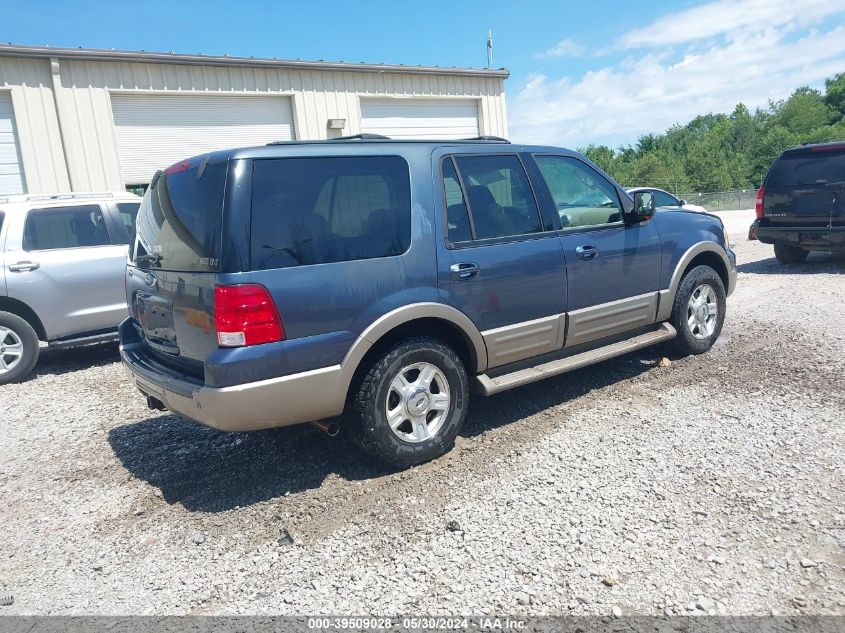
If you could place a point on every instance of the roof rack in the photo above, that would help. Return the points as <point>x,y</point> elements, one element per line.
<point>354,137</point>
<point>362,137</point>
<point>57,196</point>
<point>497,139</point>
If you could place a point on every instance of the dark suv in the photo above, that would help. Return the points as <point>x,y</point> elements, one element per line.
<point>801,205</point>
<point>384,280</point>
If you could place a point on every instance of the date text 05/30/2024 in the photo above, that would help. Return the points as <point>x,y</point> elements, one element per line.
<point>418,623</point>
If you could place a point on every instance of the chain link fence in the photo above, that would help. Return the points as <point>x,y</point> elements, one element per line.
<point>722,200</point>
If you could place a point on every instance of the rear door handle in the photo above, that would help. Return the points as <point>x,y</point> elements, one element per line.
<point>586,252</point>
<point>465,270</point>
<point>22,267</point>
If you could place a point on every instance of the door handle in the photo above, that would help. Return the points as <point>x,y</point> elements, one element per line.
<point>465,270</point>
<point>586,252</point>
<point>22,267</point>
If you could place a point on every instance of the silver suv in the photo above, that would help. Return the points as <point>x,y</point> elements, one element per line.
<point>62,263</point>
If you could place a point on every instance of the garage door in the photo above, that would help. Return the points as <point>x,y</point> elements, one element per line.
<point>155,131</point>
<point>420,118</point>
<point>11,179</point>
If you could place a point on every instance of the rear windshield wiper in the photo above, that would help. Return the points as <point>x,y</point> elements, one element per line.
<point>153,259</point>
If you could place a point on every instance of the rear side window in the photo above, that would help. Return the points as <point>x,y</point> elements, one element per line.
<point>663,199</point>
<point>500,199</point>
<point>180,219</point>
<point>811,167</point>
<point>457,218</point>
<point>65,227</point>
<point>128,212</point>
<point>323,210</point>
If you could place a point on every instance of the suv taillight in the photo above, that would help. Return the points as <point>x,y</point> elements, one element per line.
<point>758,206</point>
<point>246,315</point>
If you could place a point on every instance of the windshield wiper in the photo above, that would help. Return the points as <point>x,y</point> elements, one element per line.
<point>153,259</point>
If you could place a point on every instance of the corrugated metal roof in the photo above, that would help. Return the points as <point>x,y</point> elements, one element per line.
<point>90,54</point>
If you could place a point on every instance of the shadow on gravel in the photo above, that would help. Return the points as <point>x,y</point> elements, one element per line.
<point>816,263</point>
<point>58,362</point>
<point>210,471</point>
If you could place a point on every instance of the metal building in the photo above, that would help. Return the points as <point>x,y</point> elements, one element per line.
<point>88,120</point>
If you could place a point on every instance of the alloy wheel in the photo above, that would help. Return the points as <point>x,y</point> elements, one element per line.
<point>417,402</point>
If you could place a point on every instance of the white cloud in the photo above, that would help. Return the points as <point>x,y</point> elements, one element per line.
<point>648,91</point>
<point>564,48</point>
<point>728,16</point>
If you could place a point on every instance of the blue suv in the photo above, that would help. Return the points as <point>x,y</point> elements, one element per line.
<point>378,282</point>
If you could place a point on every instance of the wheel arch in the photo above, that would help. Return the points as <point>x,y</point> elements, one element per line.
<point>19,308</point>
<point>440,321</point>
<point>701,254</point>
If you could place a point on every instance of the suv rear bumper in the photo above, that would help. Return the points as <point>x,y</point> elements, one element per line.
<point>293,399</point>
<point>808,237</point>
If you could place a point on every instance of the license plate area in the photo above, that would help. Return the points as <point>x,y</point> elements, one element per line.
<point>814,204</point>
<point>155,314</point>
<point>814,238</point>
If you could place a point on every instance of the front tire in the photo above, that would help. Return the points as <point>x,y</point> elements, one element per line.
<point>18,348</point>
<point>412,402</point>
<point>698,313</point>
<point>788,254</point>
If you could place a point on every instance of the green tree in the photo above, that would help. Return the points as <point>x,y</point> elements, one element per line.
<point>601,155</point>
<point>717,152</point>
<point>834,88</point>
<point>804,111</point>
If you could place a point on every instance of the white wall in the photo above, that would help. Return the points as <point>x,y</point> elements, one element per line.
<point>39,141</point>
<point>82,101</point>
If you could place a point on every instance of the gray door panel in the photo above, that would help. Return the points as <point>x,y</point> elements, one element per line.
<point>516,298</point>
<point>589,324</point>
<point>499,267</point>
<point>615,289</point>
<point>612,270</point>
<point>3,230</point>
<point>74,290</point>
<point>511,343</point>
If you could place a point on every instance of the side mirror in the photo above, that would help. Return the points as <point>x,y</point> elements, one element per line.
<point>644,206</point>
<point>683,202</point>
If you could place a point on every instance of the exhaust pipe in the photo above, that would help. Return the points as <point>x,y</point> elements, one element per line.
<point>330,428</point>
<point>155,404</point>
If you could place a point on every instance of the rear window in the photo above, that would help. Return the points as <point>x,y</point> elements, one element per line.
<point>65,227</point>
<point>323,210</point>
<point>180,219</point>
<point>128,212</point>
<point>811,167</point>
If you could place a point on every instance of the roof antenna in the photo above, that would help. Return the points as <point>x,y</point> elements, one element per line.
<point>490,48</point>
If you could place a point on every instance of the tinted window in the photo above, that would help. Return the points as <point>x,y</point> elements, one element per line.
<point>323,210</point>
<point>128,212</point>
<point>180,218</point>
<point>663,199</point>
<point>809,167</point>
<point>501,202</point>
<point>65,227</point>
<point>457,219</point>
<point>582,196</point>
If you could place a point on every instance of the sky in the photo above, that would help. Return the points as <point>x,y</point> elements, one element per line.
<point>595,72</point>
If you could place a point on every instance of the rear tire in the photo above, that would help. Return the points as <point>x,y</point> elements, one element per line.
<point>18,348</point>
<point>699,310</point>
<point>411,403</point>
<point>787,254</point>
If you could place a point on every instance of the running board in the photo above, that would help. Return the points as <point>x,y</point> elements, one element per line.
<point>93,339</point>
<point>487,386</point>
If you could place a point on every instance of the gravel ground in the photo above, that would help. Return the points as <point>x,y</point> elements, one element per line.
<point>715,484</point>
